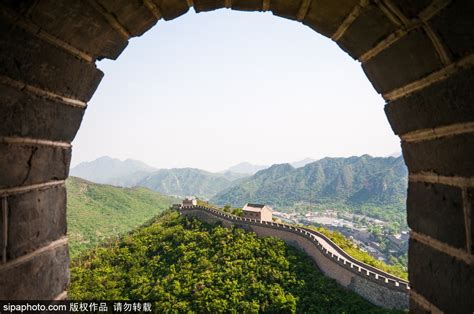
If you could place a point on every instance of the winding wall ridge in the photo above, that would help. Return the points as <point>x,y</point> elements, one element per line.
<point>383,289</point>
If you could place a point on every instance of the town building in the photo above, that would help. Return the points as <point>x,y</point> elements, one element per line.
<point>258,211</point>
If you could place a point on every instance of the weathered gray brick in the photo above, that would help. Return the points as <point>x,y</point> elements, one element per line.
<point>410,58</point>
<point>448,156</point>
<point>58,71</point>
<point>325,16</point>
<point>443,103</point>
<point>171,9</point>
<point>369,28</point>
<point>436,210</point>
<point>35,218</point>
<point>443,280</point>
<point>79,24</point>
<point>27,115</point>
<point>41,278</point>
<point>24,164</point>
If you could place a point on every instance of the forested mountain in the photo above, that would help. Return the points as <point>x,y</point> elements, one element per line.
<point>96,212</point>
<point>353,181</point>
<point>106,169</point>
<point>186,266</point>
<point>188,181</point>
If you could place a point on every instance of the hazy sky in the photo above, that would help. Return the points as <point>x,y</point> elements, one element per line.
<point>214,89</point>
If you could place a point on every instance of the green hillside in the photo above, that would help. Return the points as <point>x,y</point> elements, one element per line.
<point>190,267</point>
<point>96,212</point>
<point>366,183</point>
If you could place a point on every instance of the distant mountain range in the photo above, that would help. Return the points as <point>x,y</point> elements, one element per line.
<point>179,181</point>
<point>353,180</point>
<point>188,182</point>
<point>108,170</point>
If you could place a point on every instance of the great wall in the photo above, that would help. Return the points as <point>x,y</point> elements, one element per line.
<point>376,286</point>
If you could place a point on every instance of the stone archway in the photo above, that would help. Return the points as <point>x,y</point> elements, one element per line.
<point>417,54</point>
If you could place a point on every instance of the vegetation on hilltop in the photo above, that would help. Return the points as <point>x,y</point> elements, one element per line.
<point>96,212</point>
<point>188,266</point>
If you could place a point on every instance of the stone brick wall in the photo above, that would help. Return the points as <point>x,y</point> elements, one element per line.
<point>371,283</point>
<point>417,54</point>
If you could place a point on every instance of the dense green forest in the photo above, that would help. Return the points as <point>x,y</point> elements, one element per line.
<point>188,266</point>
<point>96,212</point>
